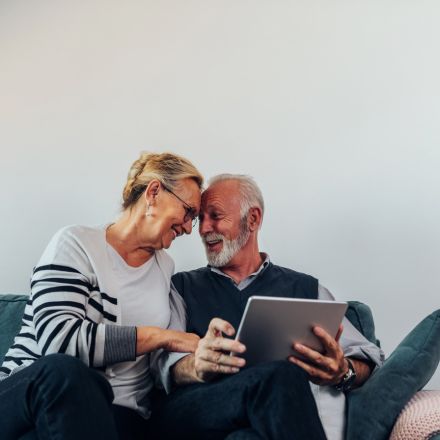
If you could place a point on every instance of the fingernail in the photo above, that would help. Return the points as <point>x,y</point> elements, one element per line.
<point>235,370</point>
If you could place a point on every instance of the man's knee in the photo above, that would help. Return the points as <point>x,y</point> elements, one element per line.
<point>281,371</point>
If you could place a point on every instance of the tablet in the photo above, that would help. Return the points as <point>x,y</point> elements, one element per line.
<point>270,325</point>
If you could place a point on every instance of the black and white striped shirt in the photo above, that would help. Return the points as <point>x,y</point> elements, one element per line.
<point>73,308</point>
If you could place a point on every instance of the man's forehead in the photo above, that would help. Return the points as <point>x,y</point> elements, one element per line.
<point>220,193</point>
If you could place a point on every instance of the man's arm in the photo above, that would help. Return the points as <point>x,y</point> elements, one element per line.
<point>353,343</point>
<point>183,372</point>
<point>363,371</point>
<point>329,368</point>
<point>162,361</point>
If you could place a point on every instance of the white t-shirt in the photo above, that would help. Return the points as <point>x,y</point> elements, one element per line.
<point>131,381</point>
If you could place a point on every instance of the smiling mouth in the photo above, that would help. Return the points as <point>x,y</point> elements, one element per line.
<point>213,244</point>
<point>176,232</point>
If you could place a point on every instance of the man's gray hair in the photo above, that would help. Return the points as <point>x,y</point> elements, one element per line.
<point>250,194</point>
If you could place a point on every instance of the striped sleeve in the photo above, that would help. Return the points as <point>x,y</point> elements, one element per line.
<point>60,295</point>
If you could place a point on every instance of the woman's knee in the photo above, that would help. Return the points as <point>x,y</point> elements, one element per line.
<point>68,372</point>
<point>62,366</point>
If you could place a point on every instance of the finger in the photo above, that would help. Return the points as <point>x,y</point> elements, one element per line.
<point>219,325</point>
<point>211,367</point>
<point>331,346</point>
<point>311,370</point>
<point>218,357</point>
<point>338,335</point>
<point>225,344</point>
<point>313,356</point>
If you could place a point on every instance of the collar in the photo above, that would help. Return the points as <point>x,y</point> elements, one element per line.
<point>263,266</point>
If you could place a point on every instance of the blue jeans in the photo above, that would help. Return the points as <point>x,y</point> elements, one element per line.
<point>57,397</point>
<point>268,401</point>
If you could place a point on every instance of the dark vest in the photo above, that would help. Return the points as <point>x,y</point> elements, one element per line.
<point>209,295</point>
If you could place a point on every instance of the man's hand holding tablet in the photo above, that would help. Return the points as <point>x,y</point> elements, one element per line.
<point>262,336</point>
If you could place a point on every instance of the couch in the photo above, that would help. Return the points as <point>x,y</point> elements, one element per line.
<point>388,406</point>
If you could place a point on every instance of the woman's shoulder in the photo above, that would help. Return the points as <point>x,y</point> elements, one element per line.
<point>72,242</point>
<point>165,260</point>
<point>79,232</point>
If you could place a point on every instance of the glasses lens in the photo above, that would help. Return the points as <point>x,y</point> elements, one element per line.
<point>190,214</point>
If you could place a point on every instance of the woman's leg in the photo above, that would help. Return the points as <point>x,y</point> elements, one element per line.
<point>59,397</point>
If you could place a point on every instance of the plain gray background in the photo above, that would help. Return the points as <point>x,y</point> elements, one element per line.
<point>333,106</point>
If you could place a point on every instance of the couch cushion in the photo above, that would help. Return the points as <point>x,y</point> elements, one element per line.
<point>406,371</point>
<point>11,312</point>
<point>359,314</point>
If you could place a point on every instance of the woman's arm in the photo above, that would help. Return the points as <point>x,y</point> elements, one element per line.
<point>154,338</point>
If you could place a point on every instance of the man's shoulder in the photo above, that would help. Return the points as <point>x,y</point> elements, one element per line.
<point>299,284</point>
<point>286,271</point>
<point>192,273</point>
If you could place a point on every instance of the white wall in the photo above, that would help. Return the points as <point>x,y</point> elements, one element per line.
<point>333,106</point>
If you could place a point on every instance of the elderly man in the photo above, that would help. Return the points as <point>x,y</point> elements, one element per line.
<point>215,395</point>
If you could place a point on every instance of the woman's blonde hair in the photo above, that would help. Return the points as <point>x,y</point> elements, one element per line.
<point>168,168</point>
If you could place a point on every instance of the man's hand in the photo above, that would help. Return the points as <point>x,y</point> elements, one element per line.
<point>327,368</point>
<point>212,355</point>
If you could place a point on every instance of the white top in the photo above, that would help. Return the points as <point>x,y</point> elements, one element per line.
<point>131,381</point>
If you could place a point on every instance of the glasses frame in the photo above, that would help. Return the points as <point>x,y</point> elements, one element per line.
<point>190,211</point>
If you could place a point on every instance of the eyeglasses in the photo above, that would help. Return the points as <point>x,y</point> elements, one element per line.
<point>190,212</point>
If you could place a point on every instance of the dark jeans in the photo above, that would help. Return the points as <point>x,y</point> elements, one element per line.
<point>59,397</point>
<point>268,401</point>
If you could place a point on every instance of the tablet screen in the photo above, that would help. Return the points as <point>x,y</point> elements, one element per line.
<point>270,325</point>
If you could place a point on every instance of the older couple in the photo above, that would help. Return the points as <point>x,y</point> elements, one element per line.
<point>103,312</point>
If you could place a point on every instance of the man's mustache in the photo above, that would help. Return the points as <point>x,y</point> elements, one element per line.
<point>212,236</point>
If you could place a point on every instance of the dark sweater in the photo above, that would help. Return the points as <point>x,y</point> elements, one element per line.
<point>210,295</point>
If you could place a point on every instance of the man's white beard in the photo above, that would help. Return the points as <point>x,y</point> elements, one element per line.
<point>229,248</point>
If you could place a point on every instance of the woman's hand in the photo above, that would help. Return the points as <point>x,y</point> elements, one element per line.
<point>175,340</point>
<point>154,338</point>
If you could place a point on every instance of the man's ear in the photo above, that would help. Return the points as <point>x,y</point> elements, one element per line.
<point>254,218</point>
<point>152,191</point>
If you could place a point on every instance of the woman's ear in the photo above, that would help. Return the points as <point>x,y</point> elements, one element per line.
<point>152,191</point>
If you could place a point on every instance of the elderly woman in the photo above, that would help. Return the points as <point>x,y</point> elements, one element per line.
<point>100,304</point>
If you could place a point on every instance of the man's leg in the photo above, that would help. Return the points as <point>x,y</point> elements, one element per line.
<point>274,400</point>
<point>59,397</point>
<point>243,434</point>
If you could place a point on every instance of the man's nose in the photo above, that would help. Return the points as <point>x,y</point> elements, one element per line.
<point>205,226</point>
